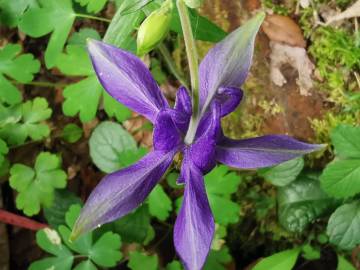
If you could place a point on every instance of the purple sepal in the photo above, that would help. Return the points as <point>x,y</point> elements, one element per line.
<point>228,98</point>
<point>183,101</point>
<point>127,79</point>
<point>122,191</point>
<point>194,226</point>
<point>262,151</point>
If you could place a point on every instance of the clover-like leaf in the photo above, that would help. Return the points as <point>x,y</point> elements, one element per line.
<point>112,147</point>
<point>174,265</point>
<point>93,6</point>
<point>11,11</point>
<point>83,97</point>
<point>80,38</point>
<point>284,260</point>
<point>18,67</point>
<point>36,185</point>
<point>72,133</point>
<point>344,226</point>
<point>33,113</point>
<point>160,204</point>
<point>301,202</point>
<point>284,173</point>
<point>217,259</point>
<point>140,261</point>
<point>52,16</point>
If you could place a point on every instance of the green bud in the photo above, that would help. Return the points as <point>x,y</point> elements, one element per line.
<point>154,28</point>
<point>193,3</point>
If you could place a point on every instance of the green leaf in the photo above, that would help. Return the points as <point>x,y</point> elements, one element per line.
<point>160,204</point>
<point>341,178</point>
<point>80,38</point>
<point>343,264</point>
<point>140,261</point>
<point>52,16</point>
<point>301,203</point>
<point>63,199</point>
<point>284,173</point>
<point>174,265</point>
<point>3,151</point>
<point>50,241</point>
<point>72,133</point>
<point>346,140</point>
<point>84,96</point>
<point>11,11</point>
<point>284,260</point>
<point>133,6</point>
<point>344,226</point>
<point>93,6</point>
<point>220,184</point>
<point>134,226</point>
<point>217,259</point>
<point>20,68</point>
<point>36,186</point>
<point>171,179</point>
<point>108,143</point>
<point>85,265</point>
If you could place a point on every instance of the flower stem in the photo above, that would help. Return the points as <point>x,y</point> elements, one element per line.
<point>168,60</point>
<point>86,16</point>
<point>20,221</point>
<point>191,53</point>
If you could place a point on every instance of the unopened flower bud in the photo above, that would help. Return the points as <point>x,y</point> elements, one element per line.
<point>154,28</point>
<point>193,3</point>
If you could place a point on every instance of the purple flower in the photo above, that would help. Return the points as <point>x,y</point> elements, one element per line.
<point>222,71</point>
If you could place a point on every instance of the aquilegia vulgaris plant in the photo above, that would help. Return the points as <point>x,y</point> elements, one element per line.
<point>193,131</point>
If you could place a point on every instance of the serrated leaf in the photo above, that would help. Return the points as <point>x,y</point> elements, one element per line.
<point>36,186</point>
<point>344,226</point>
<point>220,183</point>
<point>80,38</point>
<point>83,97</point>
<point>284,173</point>
<point>93,6</point>
<point>301,202</point>
<point>134,226</point>
<point>160,204</point>
<point>346,140</point>
<point>218,259</point>
<point>108,143</point>
<point>140,261</point>
<point>52,16</point>
<point>20,68</point>
<point>72,133</point>
<point>284,260</point>
<point>341,178</point>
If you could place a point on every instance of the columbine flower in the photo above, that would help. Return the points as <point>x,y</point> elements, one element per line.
<point>222,71</point>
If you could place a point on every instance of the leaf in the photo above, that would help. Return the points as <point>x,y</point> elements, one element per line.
<point>108,142</point>
<point>133,6</point>
<point>84,96</point>
<point>284,260</point>
<point>217,259</point>
<point>284,173</point>
<point>36,186</point>
<point>72,133</point>
<point>346,140</point>
<point>341,178</point>
<point>301,203</point>
<point>344,226</point>
<point>63,199</point>
<point>160,204</point>
<point>140,261</point>
<point>52,16</point>
<point>93,6</point>
<point>134,226</point>
<point>105,252</point>
<point>220,184</point>
<point>11,11</point>
<point>343,264</point>
<point>63,257</point>
<point>20,68</point>
<point>3,151</point>
<point>174,265</point>
<point>79,38</point>
<point>85,265</point>
<point>171,180</point>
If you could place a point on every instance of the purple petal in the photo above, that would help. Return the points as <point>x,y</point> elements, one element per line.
<point>229,98</point>
<point>228,63</point>
<point>122,191</point>
<point>183,101</point>
<point>262,151</point>
<point>127,79</point>
<point>194,227</point>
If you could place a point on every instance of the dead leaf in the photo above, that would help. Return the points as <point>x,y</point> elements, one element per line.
<point>351,12</point>
<point>296,57</point>
<point>135,126</point>
<point>283,29</point>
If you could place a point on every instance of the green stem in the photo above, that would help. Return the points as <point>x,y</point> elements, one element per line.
<point>168,60</point>
<point>42,84</point>
<point>86,16</point>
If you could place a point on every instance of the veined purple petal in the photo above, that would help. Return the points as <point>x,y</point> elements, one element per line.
<point>194,227</point>
<point>228,63</point>
<point>229,98</point>
<point>183,101</point>
<point>127,79</point>
<point>122,191</point>
<point>262,151</point>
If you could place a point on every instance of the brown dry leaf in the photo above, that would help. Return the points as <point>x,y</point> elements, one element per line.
<point>135,126</point>
<point>351,12</point>
<point>296,57</point>
<point>283,29</point>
